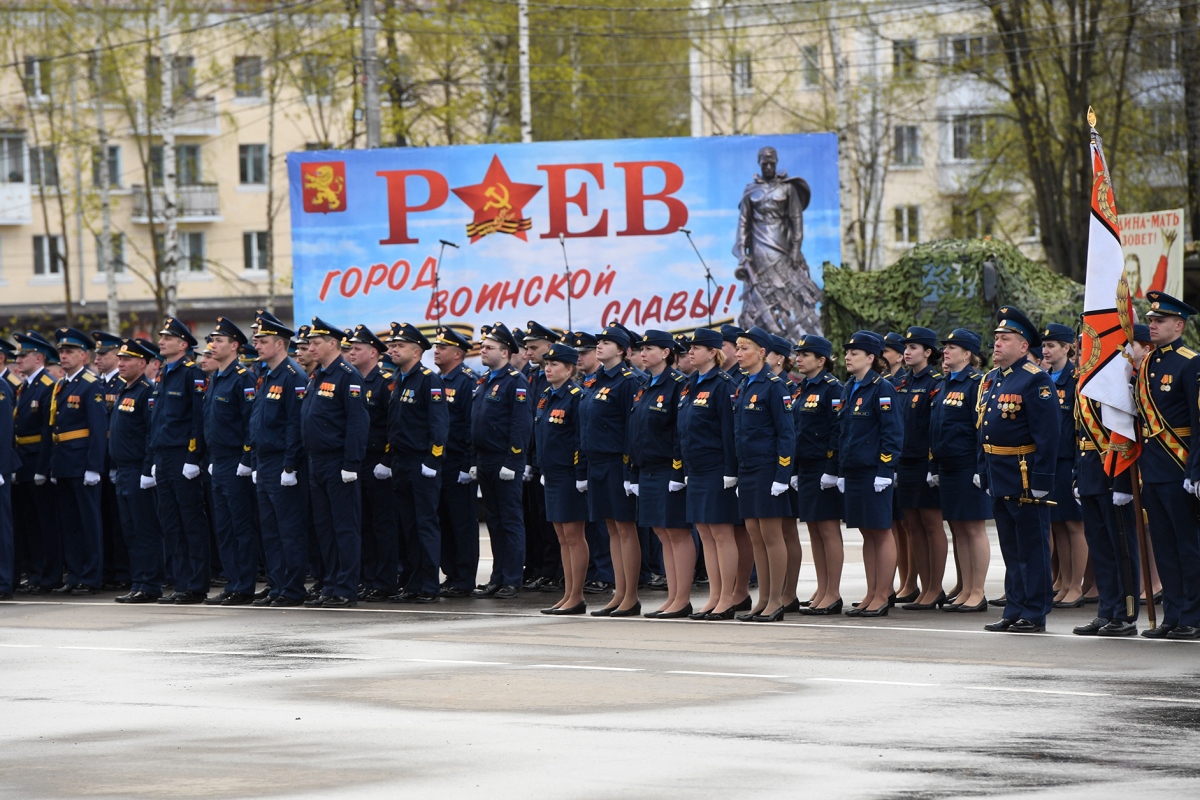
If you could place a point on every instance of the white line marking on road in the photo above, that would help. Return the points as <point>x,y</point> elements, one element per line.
<point>878,683</point>
<point>1168,699</point>
<point>1036,691</point>
<point>452,661</point>
<point>576,666</point>
<point>723,674</point>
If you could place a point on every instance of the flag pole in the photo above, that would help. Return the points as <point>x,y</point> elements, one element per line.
<point>1143,544</point>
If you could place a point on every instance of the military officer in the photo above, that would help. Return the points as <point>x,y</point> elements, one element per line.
<point>116,559</point>
<point>335,422</point>
<point>501,421</point>
<point>177,444</point>
<point>379,513</point>
<point>8,465</point>
<point>1167,405</point>
<point>281,487</point>
<point>600,572</point>
<point>35,527</point>
<point>154,364</point>
<point>79,432</point>
<point>7,353</point>
<point>543,563</point>
<point>456,508</point>
<point>1019,431</point>
<point>129,449</point>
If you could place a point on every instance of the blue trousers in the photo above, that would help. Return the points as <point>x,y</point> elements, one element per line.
<point>140,530</point>
<point>380,531</point>
<point>460,532</point>
<point>116,557</point>
<point>417,501</point>
<point>184,521</point>
<point>337,518</point>
<point>233,520</point>
<point>82,531</point>
<point>1103,525</point>
<point>36,523</point>
<point>8,578</point>
<point>1024,533</point>
<point>283,517</point>
<point>505,521</point>
<point>1173,529</point>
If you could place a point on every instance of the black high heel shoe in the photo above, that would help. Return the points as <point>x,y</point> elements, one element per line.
<point>652,614</point>
<point>716,616</point>
<point>686,611</point>
<point>982,605</point>
<point>882,611</point>
<point>794,606</point>
<point>580,608</point>
<point>853,612</point>
<point>774,616</point>
<point>745,605</point>
<point>604,612</point>
<point>833,608</point>
<point>699,615</point>
<point>629,612</point>
<point>804,603</point>
<point>908,598</point>
<point>748,616</point>
<point>892,599</point>
<point>938,603</point>
<point>1078,603</point>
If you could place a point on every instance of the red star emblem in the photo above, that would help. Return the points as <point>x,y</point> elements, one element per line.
<point>497,203</point>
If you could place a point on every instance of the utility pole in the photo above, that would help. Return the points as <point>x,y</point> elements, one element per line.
<point>167,132</point>
<point>105,255</point>
<point>78,190</point>
<point>696,71</point>
<point>370,51</point>
<point>523,70</point>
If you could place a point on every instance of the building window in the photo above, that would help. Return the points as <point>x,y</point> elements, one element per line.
<point>1166,131</point>
<point>247,76</point>
<point>185,77</point>
<point>907,149</point>
<point>908,224</point>
<point>969,135</point>
<point>971,222</point>
<point>316,75</point>
<point>112,164</point>
<point>43,166</point>
<point>252,163</point>
<point>972,52</point>
<point>116,253</point>
<point>1158,48</point>
<point>47,255</point>
<point>37,77</point>
<point>12,159</point>
<point>191,251</point>
<point>187,164</point>
<point>810,56</point>
<point>254,250</point>
<point>743,76</point>
<point>904,58</point>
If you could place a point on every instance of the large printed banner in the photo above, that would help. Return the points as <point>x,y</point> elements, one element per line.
<point>369,227</point>
<point>1152,243</point>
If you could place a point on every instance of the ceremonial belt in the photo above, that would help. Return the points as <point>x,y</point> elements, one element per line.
<point>69,436</point>
<point>1000,450</point>
<point>1096,434</point>
<point>34,439</point>
<point>1153,424</point>
<point>1086,444</point>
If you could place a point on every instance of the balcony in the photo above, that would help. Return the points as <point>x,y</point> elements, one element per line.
<point>197,116</point>
<point>16,204</point>
<point>197,203</point>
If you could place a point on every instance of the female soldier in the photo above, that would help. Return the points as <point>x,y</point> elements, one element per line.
<point>893,356</point>
<point>779,359</point>
<point>919,500</point>
<point>816,409</point>
<point>954,444</point>
<point>563,465</point>
<point>1066,518</point>
<point>605,418</point>
<point>656,469</point>
<point>707,445</point>
<point>764,440</point>
<point>870,440</point>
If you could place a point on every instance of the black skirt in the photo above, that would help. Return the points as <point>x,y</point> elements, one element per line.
<point>658,507</point>
<point>864,507</point>
<point>815,503</point>
<point>755,500</point>
<point>912,486</point>
<point>606,496</point>
<point>961,500</point>
<point>709,502</point>
<point>564,503</point>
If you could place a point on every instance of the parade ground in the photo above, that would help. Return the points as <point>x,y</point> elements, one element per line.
<point>474,698</point>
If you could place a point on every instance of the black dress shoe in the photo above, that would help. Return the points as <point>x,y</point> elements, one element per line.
<point>908,598</point>
<point>853,611</point>
<point>264,594</point>
<point>652,614</point>
<point>486,590</point>
<point>636,611</point>
<point>1077,603</point>
<point>189,598</point>
<point>238,599</point>
<point>804,603</point>
<point>1159,632</point>
<point>699,615</point>
<point>794,607</point>
<point>745,605</point>
<point>550,585</point>
<point>604,612</point>
<point>748,616</point>
<point>25,588</point>
<point>402,597</point>
<point>1184,632</point>
<point>580,608</point>
<point>1119,627</point>
<point>686,611</point>
<point>533,584</point>
<point>115,586</point>
<point>138,597</point>
<point>82,590</point>
<point>938,603</point>
<point>1026,626</point>
<point>339,602</point>
<point>167,600</point>
<point>507,593</point>
<point>454,591</point>
<point>718,616</point>
<point>998,603</point>
<point>982,605</point>
<point>425,598</point>
<point>374,596</point>
<point>1092,628</point>
<point>64,589</point>
<point>774,616</point>
<point>286,602</point>
<point>216,599</point>
<point>316,602</point>
<point>597,587</point>
<point>263,602</point>
<point>882,611</point>
<point>1000,625</point>
<point>1091,601</point>
<point>823,611</point>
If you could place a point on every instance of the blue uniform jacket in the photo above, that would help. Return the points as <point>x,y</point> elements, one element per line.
<point>556,428</point>
<point>418,420</point>
<point>1064,388</point>
<point>79,426</point>
<point>705,422</point>
<point>1020,409</point>
<point>917,392</point>
<point>275,419</point>
<point>129,427</point>
<point>501,419</point>
<point>460,384</point>
<point>1089,475</point>
<point>872,428</point>
<point>816,404</point>
<point>227,406</point>
<point>605,413</point>
<point>377,386</point>
<point>8,454</point>
<point>537,387</point>
<point>31,427</point>
<point>1166,397</point>
<point>953,435</point>
<point>763,433</point>
<point>177,406</point>
<point>653,428</point>
<point>333,416</point>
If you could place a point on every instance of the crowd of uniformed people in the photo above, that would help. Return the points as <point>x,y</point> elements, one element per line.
<point>334,466</point>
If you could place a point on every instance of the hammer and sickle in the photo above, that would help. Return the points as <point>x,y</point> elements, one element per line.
<point>498,197</point>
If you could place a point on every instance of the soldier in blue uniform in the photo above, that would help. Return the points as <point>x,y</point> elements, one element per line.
<point>1166,399</point>
<point>729,337</point>
<point>1019,431</point>
<point>116,559</point>
<point>334,423</point>
<point>500,424</point>
<point>129,449</point>
<point>418,425</point>
<point>8,352</point>
<point>282,490</point>
<point>8,465</point>
<point>600,578</point>
<point>543,570</point>
<point>177,442</point>
<point>35,526</point>
<point>79,432</point>
<point>779,359</point>
<point>228,404</point>
<point>456,507</point>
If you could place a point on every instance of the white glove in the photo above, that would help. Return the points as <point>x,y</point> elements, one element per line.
<point>1196,489</point>
<point>841,484</point>
<point>543,480</point>
<point>473,472</point>
<point>147,482</point>
<point>628,491</point>
<point>1039,493</point>
<point>882,483</point>
<point>728,482</point>
<point>1,480</point>
<point>675,486</point>
<point>112,476</point>
<point>349,477</point>
<point>1188,486</point>
<point>778,488</point>
<point>975,480</point>
<point>91,478</point>
<point>39,479</point>
<point>528,476</point>
<point>988,492</point>
<point>829,481</point>
<point>1075,491</point>
<point>154,471</point>
<point>54,481</point>
<point>288,479</point>
<point>254,476</point>
<point>466,477</point>
<point>933,480</point>
<point>507,474</point>
<point>1121,499</point>
<point>210,466</point>
<point>685,480</point>
<point>634,490</point>
<point>381,472</point>
<point>428,472</point>
<point>244,471</point>
<point>795,481</point>
<point>191,471</point>
<point>581,486</point>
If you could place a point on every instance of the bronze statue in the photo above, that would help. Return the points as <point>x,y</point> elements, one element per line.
<point>778,294</point>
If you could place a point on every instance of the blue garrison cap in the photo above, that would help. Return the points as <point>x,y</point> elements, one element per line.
<point>133,348</point>
<point>580,340</point>
<point>657,339</point>
<point>1163,305</point>
<point>561,352</point>
<point>868,342</point>
<point>105,341</point>
<point>73,337</point>
<point>815,344</point>
<point>363,335</point>
<point>615,334</point>
<point>406,332</point>
<point>1141,333</point>
<point>966,339</point>
<point>730,333</point>
<point>499,333</point>
<point>1012,320</point>
<point>892,340</point>
<point>448,336</point>
<point>759,336</point>
<point>1056,332</point>
<point>926,337</point>
<point>536,330</point>
<point>225,327</point>
<point>780,346</point>
<point>173,327</point>
<point>707,337</point>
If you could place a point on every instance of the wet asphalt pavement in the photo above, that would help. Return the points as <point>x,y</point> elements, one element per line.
<point>468,698</point>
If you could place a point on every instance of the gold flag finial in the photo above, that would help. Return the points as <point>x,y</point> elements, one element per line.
<point>1091,117</point>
